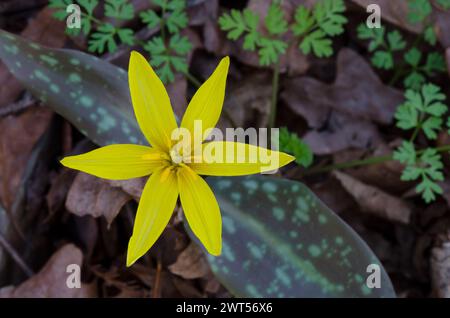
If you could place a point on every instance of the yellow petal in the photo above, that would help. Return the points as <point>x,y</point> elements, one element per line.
<point>150,102</point>
<point>206,105</point>
<point>225,158</point>
<point>117,162</point>
<point>155,209</point>
<point>201,209</point>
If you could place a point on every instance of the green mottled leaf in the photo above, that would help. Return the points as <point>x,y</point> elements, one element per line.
<point>280,240</point>
<point>92,94</point>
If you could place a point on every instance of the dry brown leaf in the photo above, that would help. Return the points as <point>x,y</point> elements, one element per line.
<point>385,175</point>
<point>19,135</point>
<point>440,270</point>
<point>93,196</point>
<point>133,187</point>
<point>191,263</point>
<point>395,12</point>
<point>59,188</point>
<point>177,92</point>
<point>374,200</point>
<point>357,91</point>
<point>185,288</point>
<point>342,132</point>
<point>50,282</point>
<point>331,192</point>
<point>249,101</point>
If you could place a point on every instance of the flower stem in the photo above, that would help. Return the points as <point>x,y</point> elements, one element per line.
<point>162,24</point>
<point>274,100</point>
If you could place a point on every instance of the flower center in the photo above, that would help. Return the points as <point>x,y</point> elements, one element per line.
<point>176,156</point>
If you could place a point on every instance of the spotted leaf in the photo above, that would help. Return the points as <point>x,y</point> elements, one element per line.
<point>280,240</point>
<point>92,94</point>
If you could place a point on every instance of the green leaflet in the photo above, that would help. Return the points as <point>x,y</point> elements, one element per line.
<point>92,94</point>
<point>280,240</point>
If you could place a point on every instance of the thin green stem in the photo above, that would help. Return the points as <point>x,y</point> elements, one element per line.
<point>364,162</point>
<point>415,133</point>
<point>348,164</point>
<point>192,79</point>
<point>441,149</point>
<point>274,100</point>
<point>163,22</point>
<point>91,18</point>
<point>398,73</point>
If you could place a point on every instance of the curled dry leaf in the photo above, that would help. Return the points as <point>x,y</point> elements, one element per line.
<point>374,200</point>
<point>93,196</point>
<point>51,281</point>
<point>133,187</point>
<point>59,188</point>
<point>191,263</point>
<point>384,175</point>
<point>440,270</point>
<point>357,91</point>
<point>395,12</point>
<point>18,137</point>
<point>249,100</point>
<point>342,132</point>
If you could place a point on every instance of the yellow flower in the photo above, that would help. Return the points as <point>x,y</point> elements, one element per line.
<point>173,171</point>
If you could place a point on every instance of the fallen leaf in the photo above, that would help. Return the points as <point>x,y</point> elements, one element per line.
<point>440,270</point>
<point>249,101</point>
<point>19,135</point>
<point>201,11</point>
<point>133,187</point>
<point>357,91</point>
<point>332,193</point>
<point>342,132</point>
<point>374,200</point>
<point>177,92</point>
<point>191,263</point>
<point>59,188</point>
<point>185,288</point>
<point>442,26</point>
<point>50,282</point>
<point>126,288</point>
<point>93,196</point>
<point>395,12</point>
<point>385,175</point>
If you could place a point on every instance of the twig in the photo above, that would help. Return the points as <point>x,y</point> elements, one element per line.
<point>24,103</point>
<point>157,285</point>
<point>15,256</point>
